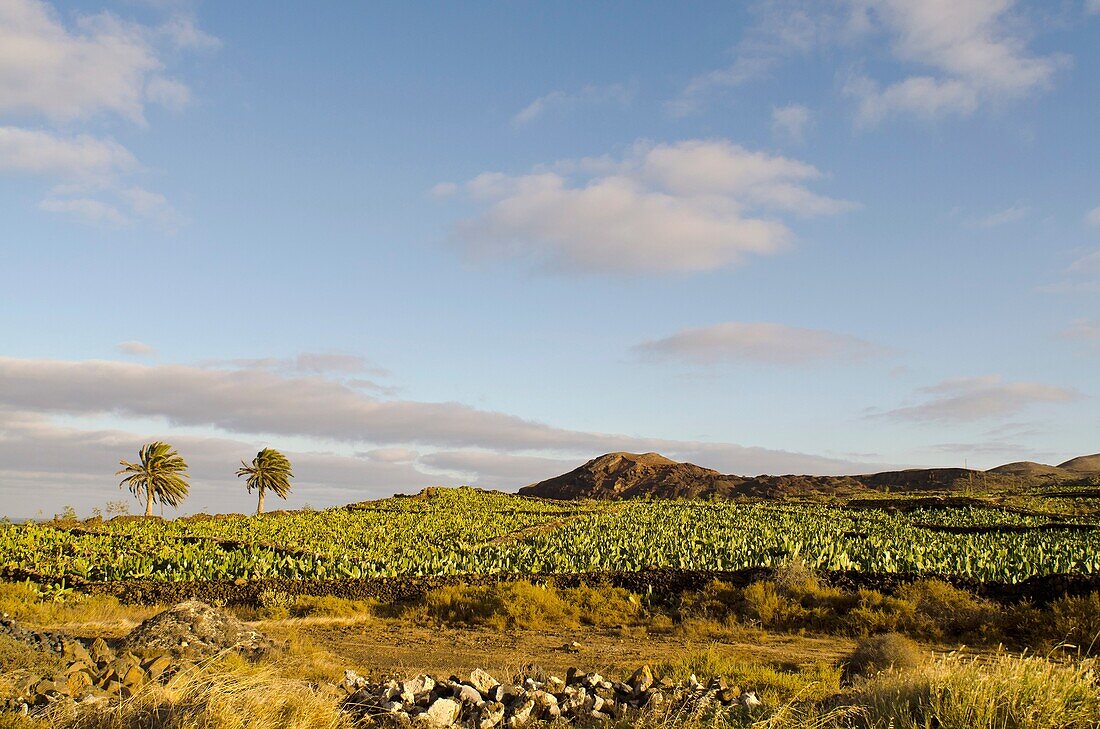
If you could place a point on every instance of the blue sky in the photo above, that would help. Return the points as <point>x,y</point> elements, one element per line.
<point>481,243</point>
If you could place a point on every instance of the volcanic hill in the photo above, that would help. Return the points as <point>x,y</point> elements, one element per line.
<point>651,475</point>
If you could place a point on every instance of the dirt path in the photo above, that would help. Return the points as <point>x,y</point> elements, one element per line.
<point>383,647</point>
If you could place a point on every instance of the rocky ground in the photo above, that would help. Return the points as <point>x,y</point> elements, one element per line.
<point>97,673</point>
<point>534,696</point>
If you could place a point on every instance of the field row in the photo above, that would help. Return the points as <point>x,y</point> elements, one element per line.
<point>465,531</point>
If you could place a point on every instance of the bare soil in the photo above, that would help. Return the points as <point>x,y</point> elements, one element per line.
<point>384,647</point>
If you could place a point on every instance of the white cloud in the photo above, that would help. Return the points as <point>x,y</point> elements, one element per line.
<point>40,457</point>
<point>135,348</point>
<point>1086,265</point>
<point>266,405</point>
<point>690,206</point>
<point>498,470</point>
<point>184,35</point>
<point>921,96</point>
<point>444,189</point>
<point>1081,276</point>
<point>783,28</point>
<point>168,93</point>
<point>79,158</point>
<point>1012,214</point>
<point>790,122</point>
<point>102,65</point>
<point>742,71</point>
<point>1092,6</point>
<point>977,398</point>
<point>757,343</point>
<point>1083,330</point>
<point>99,65</point>
<point>975,45</point>
<point>391,455</point>
<point>309,363</point>
<point>617,94</point>
<point>88,210</point>
<point>1092,217</point>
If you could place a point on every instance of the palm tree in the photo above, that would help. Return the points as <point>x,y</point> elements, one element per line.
<point>270,469</point>
<point>161,476</point>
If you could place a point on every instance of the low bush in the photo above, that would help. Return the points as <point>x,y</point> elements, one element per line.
<point>941,610</point>
<point>882,652</point>
<point>1076,620</point>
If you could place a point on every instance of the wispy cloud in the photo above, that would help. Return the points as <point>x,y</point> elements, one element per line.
<point>135,348</point>
<point>790,122</point>
<point>268,404</point>
<point>616,94</point>
<point>1081,276</point>
<point>978,398</point>
<point>1086,331</point>
<point>975,48</point>
<point>67,75</point>
<point>1092,217</point>
<point>689,206</point>
<point>782,29</point>
<point>1012,214</point>
<point>761,343</point>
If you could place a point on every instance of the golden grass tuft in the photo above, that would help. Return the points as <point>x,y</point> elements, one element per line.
<point>1004,692</point>
<point>228,693</point>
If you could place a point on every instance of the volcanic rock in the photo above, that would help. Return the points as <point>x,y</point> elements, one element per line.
<point>195,629</point>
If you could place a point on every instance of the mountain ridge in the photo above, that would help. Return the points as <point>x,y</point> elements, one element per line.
<point>624,475</point>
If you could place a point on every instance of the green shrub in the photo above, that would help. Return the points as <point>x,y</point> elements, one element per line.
<point>941,610</point>
<point>716,601</point>
<point>1076,620</point>
<point>874,613</point>
<point>605,605</point>
<point>274,604</point>
<point>764,604</point>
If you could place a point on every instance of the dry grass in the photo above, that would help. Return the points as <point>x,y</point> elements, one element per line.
<point>812,682</point>
<point>227,693</point>
<point>522,605</point>
<point>881,652</point>
<point>23,601</point>
<point>1006,692</point>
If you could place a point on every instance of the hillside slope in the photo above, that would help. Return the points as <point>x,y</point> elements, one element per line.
<point>651,475</point>
<point>1082,464</point>
<point>634,475</point>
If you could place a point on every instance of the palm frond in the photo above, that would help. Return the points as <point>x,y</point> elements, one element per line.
<point>270,471</point>
<point>160,472</point>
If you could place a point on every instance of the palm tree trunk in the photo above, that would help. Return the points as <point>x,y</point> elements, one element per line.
<point>260,502</point>
<point>148,501</point>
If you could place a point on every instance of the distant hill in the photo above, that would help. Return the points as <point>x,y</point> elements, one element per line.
<point>633,475</point>
<point>650,475</point>
<point>1083,464</point>
<point>1031,469</point>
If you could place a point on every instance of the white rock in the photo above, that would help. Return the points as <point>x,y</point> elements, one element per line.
<point>442,712</point>
<point>467,694</point>
<point>482,681</point>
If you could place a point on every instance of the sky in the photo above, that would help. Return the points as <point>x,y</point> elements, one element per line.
<point>414,244</point>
